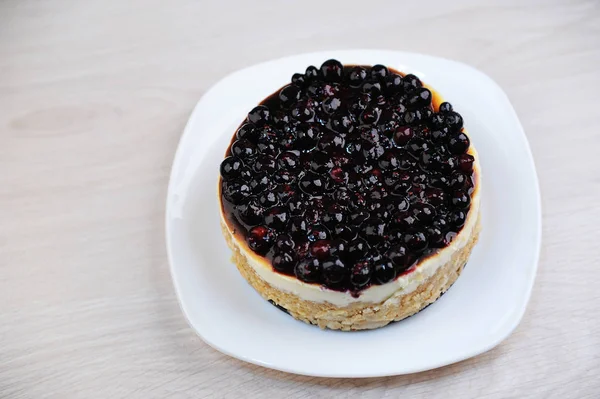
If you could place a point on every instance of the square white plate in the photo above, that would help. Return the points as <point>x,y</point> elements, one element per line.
<point>482,308</point>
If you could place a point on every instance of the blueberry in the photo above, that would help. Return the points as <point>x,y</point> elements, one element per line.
<point>298,226</point>
<point>236,191</point>
<point>358,216</point>
<point>383,270</point>
<point>393,84</point>
<point>435,196</point>
<point>436,237</point>
<point>332,71</point>
<point>419,98</point>
<point>423,212</point>
<point>284,241</point>
<point>445,107</point>
<point>289,95</point>
<point>356,76</point>
<point>415,241</point>
<point>454,121</point>
<point>250,213</point>
<point>404,221</point>
<point>308,270</point>
<point>345,232</point>
<point>267,147</point>
<point>331,104</point>
<point>357,249</point>
<point>370,115</point>
<point>320,249</point>
<point>410,83</point>
<point>459,144</point>
<point>442,223</point>
<point>302,112</point>
<point>312,183</point>
<point>372,152</point>
<point>284,261</point>
<point>457,219</point>
<point>465,163</point>
<point>268,199</point>
<point>460,181</point>
<point>259,115</point>
<point>460,199</point>
<point>390,160</point>
<point>439,136</point>
<point>330,141</point>
<point>264,163</point>
<point>402,135</point>
<point>341,122</point>
<point>276,218</point>
<point>360,275</point>
<point>231,168</point>
<point>317,232</point>
<point>373,88</point>
<point>373,230</point>
<point>400,257</point>
<point>307,136</point>
<point>288,161</point>
<point>260,239</point>
<point>259,183</point>
<point>243,149</point>
<point>359,103</point>
<point>334,270</point>
<point>334,215</point>
<point>312,73</point>
<point>247,131</point>
<point>379,72</point>
<point>285,177</point>
<point>299,79</point>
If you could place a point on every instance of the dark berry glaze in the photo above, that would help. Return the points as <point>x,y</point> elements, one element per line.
<point>349,176</point>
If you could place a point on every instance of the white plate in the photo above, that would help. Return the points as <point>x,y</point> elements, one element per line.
<point>482,308</point>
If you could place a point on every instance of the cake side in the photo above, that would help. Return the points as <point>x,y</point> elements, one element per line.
<point>358,315</point>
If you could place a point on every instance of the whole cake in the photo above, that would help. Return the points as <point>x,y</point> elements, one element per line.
<point>350,197</point>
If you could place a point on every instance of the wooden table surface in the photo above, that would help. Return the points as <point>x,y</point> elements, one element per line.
<point>93,99</point>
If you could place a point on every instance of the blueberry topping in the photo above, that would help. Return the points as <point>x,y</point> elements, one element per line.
<point>348,176</point>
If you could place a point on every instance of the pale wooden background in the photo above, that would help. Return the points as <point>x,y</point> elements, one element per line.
<point>93,99</point>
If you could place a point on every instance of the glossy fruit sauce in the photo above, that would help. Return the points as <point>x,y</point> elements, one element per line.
<point>348,176</point>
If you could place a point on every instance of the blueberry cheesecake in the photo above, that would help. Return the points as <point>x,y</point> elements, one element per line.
<point>350,197</point>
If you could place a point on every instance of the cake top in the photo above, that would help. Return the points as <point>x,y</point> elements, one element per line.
<point>348,176</point>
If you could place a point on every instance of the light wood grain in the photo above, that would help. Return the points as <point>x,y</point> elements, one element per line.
<point>93,99</point>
